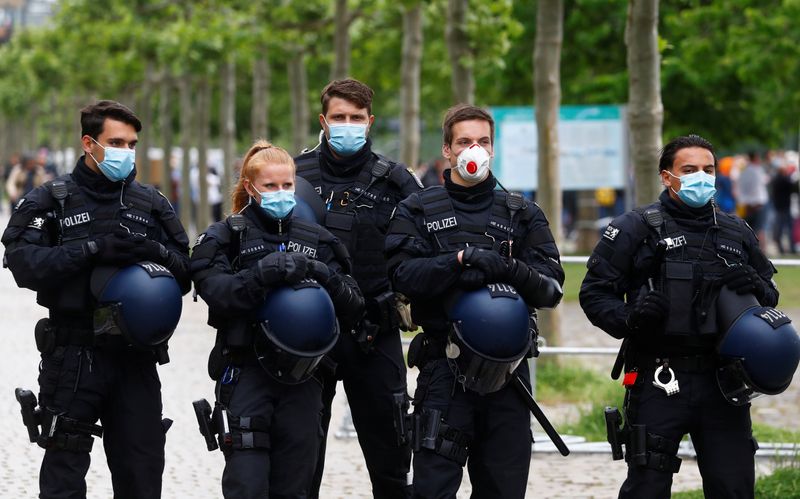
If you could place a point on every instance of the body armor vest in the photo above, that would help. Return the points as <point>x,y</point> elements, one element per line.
<point>693,262</point>
<point>80,217</point>
<point>358,214</point>
<point>453,232</point>
<point>250,243</point>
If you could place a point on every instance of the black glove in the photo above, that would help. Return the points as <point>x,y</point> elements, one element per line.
<point>113,249</point>
<point>651,308</point>
<point>318,271</point>
<point>280,266</point>
<point>471,279</point>
<point>744,279</point>
<point>494,266</point>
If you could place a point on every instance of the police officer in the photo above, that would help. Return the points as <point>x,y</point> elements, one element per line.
<point>361,189</point>
<point>463,236</point>
<point>98,215</point>
<point>654,279</point>
<point>270,420</point>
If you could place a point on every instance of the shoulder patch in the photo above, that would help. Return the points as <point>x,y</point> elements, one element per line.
<point>19,203</point>
<point>37,223</point>
<point>611,232</point>
<point>415,177</point>
<point>200,238</point>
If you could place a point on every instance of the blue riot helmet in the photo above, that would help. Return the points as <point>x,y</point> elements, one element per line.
<point>491,335</point>
<point>296,327</point>
<point>141,301</point>
<point>309,205</point>
<point>759,349</point>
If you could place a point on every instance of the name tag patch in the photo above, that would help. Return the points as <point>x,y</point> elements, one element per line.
<point>77,219</point>
<point>442,224</point>
<point>301,248</point>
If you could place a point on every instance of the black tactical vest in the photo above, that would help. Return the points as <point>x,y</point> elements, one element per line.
<point>358,214</point>
<point>453,232</point>
<point>250,243</point>
<point>693,262</point>
<point>80,217</point>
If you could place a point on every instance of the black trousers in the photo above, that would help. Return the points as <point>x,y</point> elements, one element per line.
<point>498,425</point>
<point>369,381</point>
<point>292,412</point>
<point>721,434</point>
<point>123,391</point>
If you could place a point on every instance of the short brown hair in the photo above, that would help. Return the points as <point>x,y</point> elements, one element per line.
<point>94,116</point>
<point>464,112</point>
<point>350,90</point>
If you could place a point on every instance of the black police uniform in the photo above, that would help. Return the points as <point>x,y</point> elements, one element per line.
<point>490,432</point>
<point>361,192</point>
<point>56,236</point>
<point>683,253</point>
<point>274,427</point>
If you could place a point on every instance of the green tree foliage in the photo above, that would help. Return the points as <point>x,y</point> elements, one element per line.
<point>730,68</point>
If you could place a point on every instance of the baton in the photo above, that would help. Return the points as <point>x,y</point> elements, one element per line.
<point>527,397</point>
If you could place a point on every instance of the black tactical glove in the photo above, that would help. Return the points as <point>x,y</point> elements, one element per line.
<point>494,266</point>
<point>280,266</point>
<point>113,249</point>
<point>471,279</point>
<point>144,249</point>
<point>318,271</point>
<point>744,279</point>
<point>650,309</point>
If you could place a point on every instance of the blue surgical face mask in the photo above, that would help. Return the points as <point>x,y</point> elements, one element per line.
<point>347,138</point>
<point>117,162</point>
<point>277,204</point>
<point>697,188</point>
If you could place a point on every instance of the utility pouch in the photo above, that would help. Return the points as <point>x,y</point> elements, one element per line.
<point>45,335</point>
<point>429,424</point>
<point>418,351</point>
<point>237,333</point>
<point>402,419</point>
<point>680,289</point>
<point>637,445</point>
<point>383,310</point>
<point>216,359</point>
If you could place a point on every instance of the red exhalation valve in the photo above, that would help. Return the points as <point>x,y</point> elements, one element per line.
<point>472,167</point>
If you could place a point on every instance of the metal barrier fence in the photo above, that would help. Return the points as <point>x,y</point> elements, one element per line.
<point>579,444</point>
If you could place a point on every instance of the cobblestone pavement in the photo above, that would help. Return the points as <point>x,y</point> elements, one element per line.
<point>193,472</point>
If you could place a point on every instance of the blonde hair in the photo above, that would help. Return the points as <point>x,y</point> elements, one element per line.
<point>261,153</point>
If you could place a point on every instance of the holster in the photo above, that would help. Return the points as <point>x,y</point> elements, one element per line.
<point>402,419</point>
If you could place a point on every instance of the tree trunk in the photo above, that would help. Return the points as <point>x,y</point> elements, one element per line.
<point>228,128</point>
<point>547,90</point>
<point>187,133</point>
<point>645,111</point>
<point>145,114</point>
<point>262,74</point>
<point>298,88</point>
<point>203,132</point>
<point>462,80</point>
<point>341,41</point>
<point>165,126</point>
<point>410,85</point>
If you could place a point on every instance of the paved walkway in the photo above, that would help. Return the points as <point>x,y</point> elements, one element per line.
<point>193,472</point>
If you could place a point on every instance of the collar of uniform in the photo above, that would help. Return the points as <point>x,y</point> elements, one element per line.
<point>473,198</point>
<point>680,210</point>
<point>349,166</point>
<point>96,183</point>
<point>269,224</point>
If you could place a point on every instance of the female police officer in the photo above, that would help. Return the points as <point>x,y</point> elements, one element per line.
<point>258,260</point>
<point>670,260</point>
